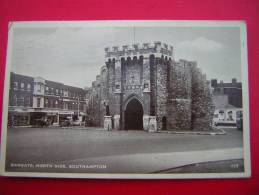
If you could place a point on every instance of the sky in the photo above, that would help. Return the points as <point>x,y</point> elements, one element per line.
<point>74,55</point>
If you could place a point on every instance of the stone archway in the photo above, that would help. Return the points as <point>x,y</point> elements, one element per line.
<point>164,121</point>
<point>134,115</point>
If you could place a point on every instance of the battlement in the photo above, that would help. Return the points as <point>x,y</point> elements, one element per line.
<point>139,49</point>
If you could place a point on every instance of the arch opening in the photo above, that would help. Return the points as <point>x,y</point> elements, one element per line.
<point>164,123</point>
<point>134,115</point>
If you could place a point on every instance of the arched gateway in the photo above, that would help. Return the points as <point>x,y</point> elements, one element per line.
<point>134,115</point>
<point>144,89</point>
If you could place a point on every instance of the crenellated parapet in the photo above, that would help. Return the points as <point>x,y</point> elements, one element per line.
<point>144,49</point>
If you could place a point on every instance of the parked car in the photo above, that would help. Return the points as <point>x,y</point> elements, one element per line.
<point>239,120</point>
<point>77,123</point>
<point>65,123</point>
<point>41,123</point>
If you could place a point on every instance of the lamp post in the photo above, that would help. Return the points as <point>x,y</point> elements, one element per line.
<point>78,107</point>
<point>86,109</point>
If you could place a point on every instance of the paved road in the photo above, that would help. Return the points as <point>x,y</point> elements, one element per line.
<point>64,145</point>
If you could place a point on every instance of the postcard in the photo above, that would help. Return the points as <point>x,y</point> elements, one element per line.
<point>126,99</point>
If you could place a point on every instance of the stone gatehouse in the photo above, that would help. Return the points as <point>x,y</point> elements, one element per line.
<point>141,82</point>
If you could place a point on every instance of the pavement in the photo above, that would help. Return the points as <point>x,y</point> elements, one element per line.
<point>154,162</point>
<point>116,151</point>
<point>213,131</point>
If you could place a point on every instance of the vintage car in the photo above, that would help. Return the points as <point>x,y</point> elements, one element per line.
<point>77,123</point>
<point>41,123</point>
<point>65,123</point>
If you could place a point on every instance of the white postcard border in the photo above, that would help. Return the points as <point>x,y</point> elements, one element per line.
<point>127,23</point>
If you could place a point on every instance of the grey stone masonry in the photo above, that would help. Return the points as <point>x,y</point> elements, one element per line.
<point>139,49</point>
<point>175,94</point>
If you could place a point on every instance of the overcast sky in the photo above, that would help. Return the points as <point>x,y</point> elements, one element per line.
<point>75,55</point>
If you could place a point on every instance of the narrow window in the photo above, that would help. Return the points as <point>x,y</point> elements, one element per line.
<point>28,86</point>
<point>47,102</point>
<point>38,102</point>
<point>15,85</point>
<point>56,104</point>
<point>22,86</point>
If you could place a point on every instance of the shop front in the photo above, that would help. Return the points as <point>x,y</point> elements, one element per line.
<point>18,119</point>
<point>66,115</point>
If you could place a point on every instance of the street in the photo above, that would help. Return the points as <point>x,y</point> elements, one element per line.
<point>115,149</point>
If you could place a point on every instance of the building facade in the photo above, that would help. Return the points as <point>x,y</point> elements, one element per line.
<point>31,99</point>
<point>227,98</point>
<point>232,91</point>
<point>143,81</point>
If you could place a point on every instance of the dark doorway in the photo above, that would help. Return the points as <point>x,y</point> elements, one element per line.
<point>164,123</point>
<point>134,115</point>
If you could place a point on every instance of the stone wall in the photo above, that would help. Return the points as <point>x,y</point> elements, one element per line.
<point>202,104</point>
<point>153,78</point>
<point>179,103</point>
<point>179,114</point>
<point>111,84</point>
<point>94,106</point>
<point>162,86</point>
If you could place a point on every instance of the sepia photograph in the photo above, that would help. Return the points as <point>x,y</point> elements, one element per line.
<point>126,99</point>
